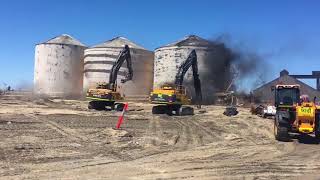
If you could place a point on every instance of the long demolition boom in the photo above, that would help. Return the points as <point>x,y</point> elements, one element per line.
<point>123,56</point>
<point>190,61</point>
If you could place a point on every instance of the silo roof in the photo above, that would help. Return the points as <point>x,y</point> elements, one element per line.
<point>191,40</point>
<point>119,42</point>
<point>64,39</point>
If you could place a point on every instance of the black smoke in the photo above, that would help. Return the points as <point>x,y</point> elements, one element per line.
<point>229,67</point>
<point>248,68</point>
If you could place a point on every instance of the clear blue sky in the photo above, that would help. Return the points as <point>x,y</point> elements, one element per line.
<point>286,33</point>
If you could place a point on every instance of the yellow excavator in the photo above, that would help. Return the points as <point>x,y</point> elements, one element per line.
<point>106,94</point>
<point>295,113</point>
<point>172,98</point>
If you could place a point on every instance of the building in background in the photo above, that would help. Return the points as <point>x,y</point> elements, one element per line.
<point>264,93</point>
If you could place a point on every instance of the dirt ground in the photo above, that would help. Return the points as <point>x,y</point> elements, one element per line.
<point>60,139</point>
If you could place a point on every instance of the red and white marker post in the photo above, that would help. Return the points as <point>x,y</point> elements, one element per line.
<point>120,120</point>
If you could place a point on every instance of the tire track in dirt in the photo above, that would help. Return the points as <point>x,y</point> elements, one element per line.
<point>159,131</point>
<point>95,148</point>
<point>153,134</point>
<point>207,131</point>
<point>193,133</point>
<point>272,165</point>
<point>151,129</point>
<point>303,159</point>
<point>188,135</point>
<point>67,132</point>
<point>232,162</point>
<point>184,134</point>
<point>241,164</point>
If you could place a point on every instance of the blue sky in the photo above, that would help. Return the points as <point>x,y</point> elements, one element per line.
<point>285,33</point>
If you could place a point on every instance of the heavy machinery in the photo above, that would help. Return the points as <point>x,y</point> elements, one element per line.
<point>294,114</point>
<point>170,98</point>
<point>106,94</point>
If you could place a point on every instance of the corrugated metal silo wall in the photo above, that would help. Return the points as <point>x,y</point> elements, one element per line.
<point>214,77</point>
<point>98,63</point>
<point>142,64</point>
<point>58,70</point>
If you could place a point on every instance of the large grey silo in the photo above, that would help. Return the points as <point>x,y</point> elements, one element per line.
<point>213,65</point>
<point>59,67</point>
<point>99,59</point>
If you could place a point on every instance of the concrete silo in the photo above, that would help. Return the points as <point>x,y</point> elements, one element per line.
<point>59,67</point>
<point>213,64</point>
<point>99,59</point>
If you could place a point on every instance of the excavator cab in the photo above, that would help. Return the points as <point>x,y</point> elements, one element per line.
<point>170,94</point>
<point>286,95</point>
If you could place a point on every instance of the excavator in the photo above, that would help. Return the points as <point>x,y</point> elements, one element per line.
<point>172,98</point>
<point>106,94</point>
<point>294,113</point>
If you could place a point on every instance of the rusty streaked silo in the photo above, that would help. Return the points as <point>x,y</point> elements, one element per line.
<point>213,65</point>
<point>59,67</point>
<point>98,61</point>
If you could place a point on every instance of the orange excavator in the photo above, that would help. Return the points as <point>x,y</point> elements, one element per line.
<point>295,113</point>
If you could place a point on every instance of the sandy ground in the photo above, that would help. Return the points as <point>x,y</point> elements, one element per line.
<point>59,139</point>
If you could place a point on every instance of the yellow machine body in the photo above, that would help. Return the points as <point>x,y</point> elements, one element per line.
<point>168,94</point>
<point>102,93</point>
<point>305,117</point>
<point>295,113</point>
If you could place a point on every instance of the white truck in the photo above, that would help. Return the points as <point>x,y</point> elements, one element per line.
<point>269,111</point>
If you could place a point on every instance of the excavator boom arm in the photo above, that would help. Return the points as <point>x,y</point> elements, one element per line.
<point>190,61</point>
<point>123,56</point>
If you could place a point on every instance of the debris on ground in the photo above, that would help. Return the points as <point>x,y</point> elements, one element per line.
<point>231,111</point>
